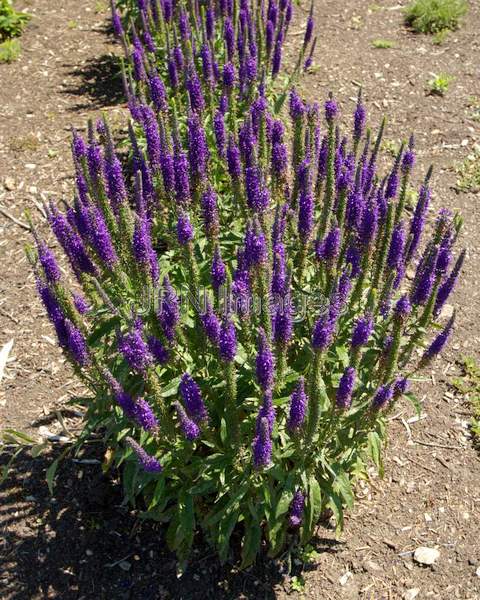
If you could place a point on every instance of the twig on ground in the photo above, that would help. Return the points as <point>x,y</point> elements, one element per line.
<point>5,213</point>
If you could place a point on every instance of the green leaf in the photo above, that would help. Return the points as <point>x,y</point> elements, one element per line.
<point>414,401</point>
<point>342,486</point>
<point>335,503</point>
<point>226,528</point>
<point>251,542</point>
<point>104,329</point>
<point>312,510</point>
<point>375,450</point>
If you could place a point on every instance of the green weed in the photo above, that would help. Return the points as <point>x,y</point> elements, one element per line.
<point>433,16</point>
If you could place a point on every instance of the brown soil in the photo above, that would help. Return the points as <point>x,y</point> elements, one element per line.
<point>82,543</point>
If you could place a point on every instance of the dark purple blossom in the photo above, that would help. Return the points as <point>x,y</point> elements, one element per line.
<point>255,247</point>
<point>265,363</point>
<point>189,428</point>
<point>228,341</point>
<point>262,445</point>
<point>448,285</point>
<point>211,325</point>
<point>134,348</point>
<point>298,407</point>
<point>195,93</point>
<point>403,308</point>
<point>331,110</point>
<point>48,262</point>
<point>362,331</point>
<point>218,271</point>
<point>142,246</point>
<point>169,311</point>
<point>184,229</point>
<point>182,181</point>
<point>147,463</point>
<point>438,343</point>
<point>382,397</point>
<point>343,397</point>
<point>219,130</point>
<point>192,399</point>
<point>297,508</point>
<point>397,247</point>
<point>158,93</point>
<point>76,344</point>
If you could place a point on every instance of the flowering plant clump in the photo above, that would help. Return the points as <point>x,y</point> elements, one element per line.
<point>243,354</point>
<point>241,311</point>
<point>209,57</point>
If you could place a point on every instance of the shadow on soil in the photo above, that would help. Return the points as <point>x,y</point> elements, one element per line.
<point>83,544</point>
<point>98,83</point>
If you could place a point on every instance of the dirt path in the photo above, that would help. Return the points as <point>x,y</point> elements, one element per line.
<point>430,495</point>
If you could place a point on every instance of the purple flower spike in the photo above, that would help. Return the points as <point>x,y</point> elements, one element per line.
<point>362,331</point>
<point>182,181</point>
<point>262,445</point>
<point>192,399</point>
<point>228,341</point>
<point>403,308</point>
<point>76,344</point>
<point>308,31</point>
<point>297,508</point>
<point>305,215</point>
<point>331,110</point>
<point>184,230</point>
<point>218,270</point>
<point>198,153</point>
<point>297,106</point>
<point>397,247</point>
<point>210,213</point>
<point>189,428</point>
<point>158,93</point>
<point>438,343</point>
<point>298,407</point>
<point>147,463</point>
<point>255,248</point>
<point>265,363</point>
<point>400,387</point>
<point>233,160</point>
<point>220,135</point>
<point>138,410</point>
<point>345,389</point>
<point>359,120</point>
<point>195,93</point>
<point>382,397</point>
<point>48,262</point>
<point>134,349</point>
<point>169,311</point>
<point>449,284</point>
<point>157,350</point>
<point>322,333</point>
<point>229,37</point>
<point>142,246</point>
<point>102,241</point>
<point>81,304</point>
<point>408,161</point>
<point>211,325</point>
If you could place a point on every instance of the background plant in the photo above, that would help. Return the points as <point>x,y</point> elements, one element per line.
<point>469,384</point>
<point>433,16</point>
<point>12,22</point>
<point>230,416</point>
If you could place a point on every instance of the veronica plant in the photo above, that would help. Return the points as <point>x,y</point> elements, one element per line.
<point>242,355</point>
<point>209,57</point>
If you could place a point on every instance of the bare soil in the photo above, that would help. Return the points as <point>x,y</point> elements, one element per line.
<point>82,543</point>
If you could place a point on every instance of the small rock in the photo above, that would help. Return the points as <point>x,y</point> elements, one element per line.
<point>477,572</point>
<point>88,552</point>
<point>447,311</point>
<point>30,166</point>
<point>125,565</point>
<point>345,577</point>
<point>426,556</point>
<point>9,184</point>
<point>411,594</point>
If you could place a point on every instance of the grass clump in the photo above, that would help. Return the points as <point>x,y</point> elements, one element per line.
<point>438,84</point>
<point>469,385</point>
<point>432,16</point>
<point>12,22</point>
<point>9,51</point>
<point>469,172</point>
<point>383,44</point>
